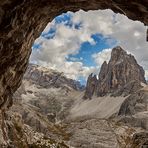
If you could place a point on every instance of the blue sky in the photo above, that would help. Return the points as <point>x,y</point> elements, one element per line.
<point>86,49</point>
<point>78,43</point>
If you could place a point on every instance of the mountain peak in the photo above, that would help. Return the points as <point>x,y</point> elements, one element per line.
<point>121,76</point>
<point>48,78</point>
<point>118,51</point>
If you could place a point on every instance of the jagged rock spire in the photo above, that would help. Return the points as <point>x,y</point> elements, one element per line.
<point>122,75</point>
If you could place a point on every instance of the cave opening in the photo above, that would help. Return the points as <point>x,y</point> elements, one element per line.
<point>21,22</point>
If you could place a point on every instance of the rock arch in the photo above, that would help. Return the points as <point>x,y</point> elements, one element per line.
<point>22,21</point>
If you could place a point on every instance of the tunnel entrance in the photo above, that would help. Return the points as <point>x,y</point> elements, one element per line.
<point>21,22</point>
<point>71,47</point>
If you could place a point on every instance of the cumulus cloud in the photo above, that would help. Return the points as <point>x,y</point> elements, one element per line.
<point>131,35</point>
<point>54,52</point>
<point>102,56</point>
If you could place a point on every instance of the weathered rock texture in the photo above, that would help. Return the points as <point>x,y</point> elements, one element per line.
<point>43,99</point>
<point>134,110</point>
<point>92,133</point>
<point>48,78</point>
<point>137,102</point>
<point>91,86</point>
<point>47,90</point>
<point>140,140</point>
<point>21,22</point>
<point>134,114</point>
<point>122,75</point>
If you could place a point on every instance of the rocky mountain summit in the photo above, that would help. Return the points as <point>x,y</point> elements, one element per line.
<point>121,76</point>
<point>50,78</point>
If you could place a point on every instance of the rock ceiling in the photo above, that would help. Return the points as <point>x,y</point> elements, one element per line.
<point>21,22</point>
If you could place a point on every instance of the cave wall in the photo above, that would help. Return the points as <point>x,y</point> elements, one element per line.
<point>22,21</point>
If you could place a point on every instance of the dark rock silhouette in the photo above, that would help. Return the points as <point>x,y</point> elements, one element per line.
<point>21,22</point>
<point>91,86</point>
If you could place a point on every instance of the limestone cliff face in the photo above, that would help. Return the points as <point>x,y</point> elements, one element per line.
<point>122,75</point>
<point>91,86</point>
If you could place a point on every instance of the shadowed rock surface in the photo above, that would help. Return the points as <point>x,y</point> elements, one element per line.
<point>135,103</point>
<point>21,22</point>
<point>121,76</point>
<point>140,140</point>
<point>91,86</point>
<point>134,110</point>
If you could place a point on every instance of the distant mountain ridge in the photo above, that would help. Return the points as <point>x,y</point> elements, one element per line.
<point>50,78</point>
<point>121,76</point>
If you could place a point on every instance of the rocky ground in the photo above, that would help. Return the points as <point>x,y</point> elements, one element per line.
<point>43,102</point>
<point>50,110</point>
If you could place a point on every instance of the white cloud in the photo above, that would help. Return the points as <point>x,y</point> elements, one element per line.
<point>72,70</point>
<point>54,52</point>
<point>102,56</point>
<point>131,35</point>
